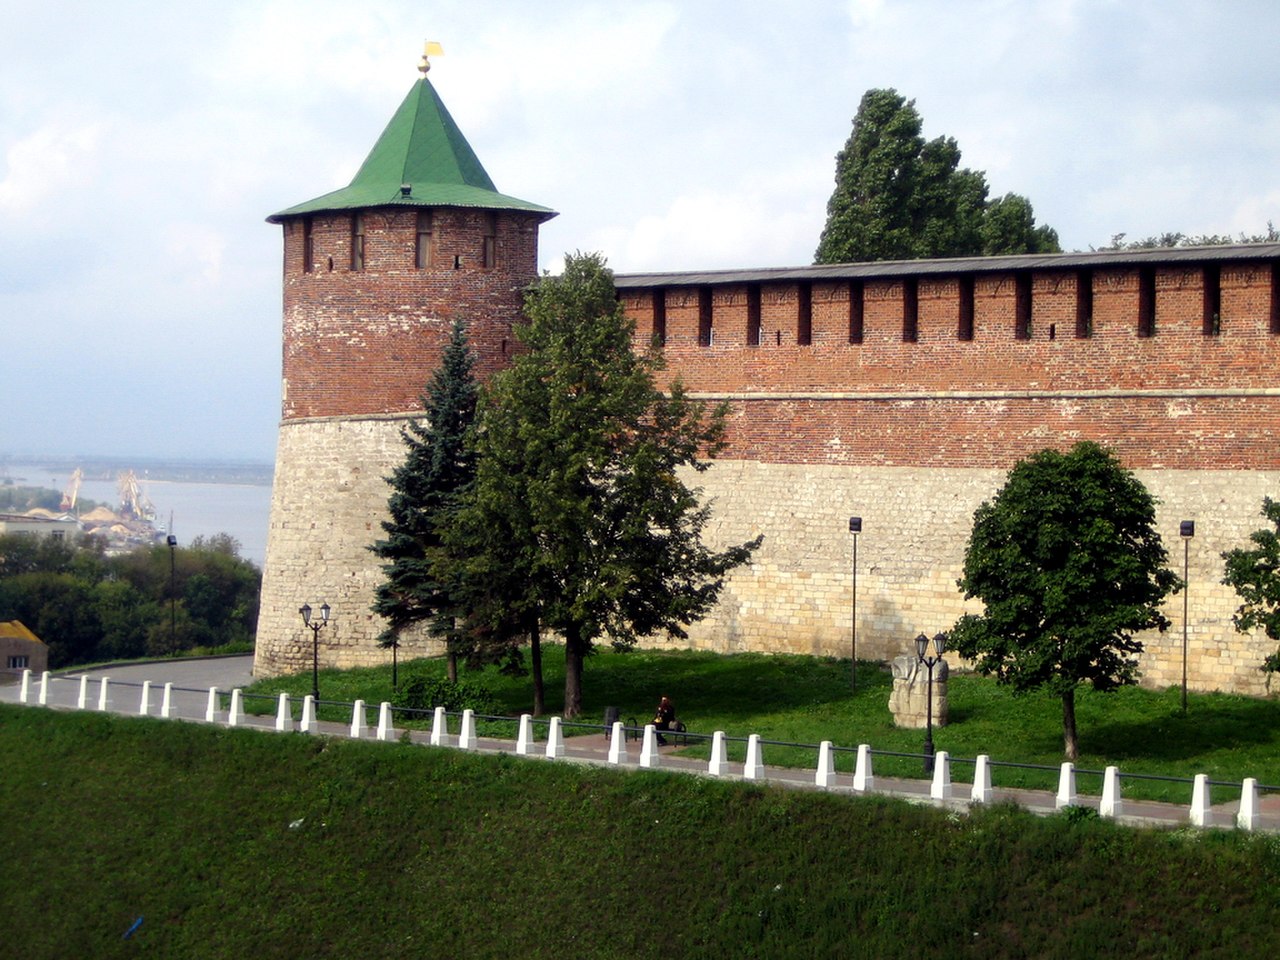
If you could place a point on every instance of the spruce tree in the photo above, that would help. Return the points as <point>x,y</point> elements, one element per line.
<point>437,469</point>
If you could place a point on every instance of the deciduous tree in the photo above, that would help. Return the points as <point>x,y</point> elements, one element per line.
<point>1068,563</point>
<point>1254,574</point>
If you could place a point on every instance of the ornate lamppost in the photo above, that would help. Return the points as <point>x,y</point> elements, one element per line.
<point>173,595</point>
<point>855,528</point>
<point>1186,530</point>
<point>316,627</point>
<point>922,650</point>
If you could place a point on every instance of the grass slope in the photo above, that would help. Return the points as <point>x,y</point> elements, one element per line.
<point>234,843</point>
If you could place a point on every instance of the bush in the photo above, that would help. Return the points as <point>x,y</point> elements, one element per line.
<point>427,693</point>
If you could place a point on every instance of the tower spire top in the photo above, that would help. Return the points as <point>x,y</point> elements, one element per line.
<point>430,49</point>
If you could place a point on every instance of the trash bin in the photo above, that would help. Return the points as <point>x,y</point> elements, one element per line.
<point>610,718</point>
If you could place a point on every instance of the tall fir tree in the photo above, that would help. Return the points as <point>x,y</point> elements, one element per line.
<point>438,467</point>
<point>579,521</point>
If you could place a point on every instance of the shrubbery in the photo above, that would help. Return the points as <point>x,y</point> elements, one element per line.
<point>427,693</point>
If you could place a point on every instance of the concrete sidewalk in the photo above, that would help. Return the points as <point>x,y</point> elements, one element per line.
<point>190,701</point>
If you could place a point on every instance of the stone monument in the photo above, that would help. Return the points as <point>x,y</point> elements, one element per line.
<point>910,694</point>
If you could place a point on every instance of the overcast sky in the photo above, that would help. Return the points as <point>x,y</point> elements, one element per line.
<point>143,142</point>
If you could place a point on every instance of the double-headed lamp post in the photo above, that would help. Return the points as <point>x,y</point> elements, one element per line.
<point>922,650</point>
<point>173,594</point>
<point>855,528</point>
<point>1186,530</point>
<point>316,627</point>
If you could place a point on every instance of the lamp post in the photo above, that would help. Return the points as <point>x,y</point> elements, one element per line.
<point>922,649</point>
<point>1186,530</point>
<point>855,528</point>
<point>173,595</point>
<point>316,627</point>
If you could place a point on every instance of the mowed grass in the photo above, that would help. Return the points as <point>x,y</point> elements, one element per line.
<point>237,843</point>
<point>806,700</point>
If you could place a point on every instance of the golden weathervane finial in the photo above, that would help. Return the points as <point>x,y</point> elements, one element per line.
<point>432,49</point>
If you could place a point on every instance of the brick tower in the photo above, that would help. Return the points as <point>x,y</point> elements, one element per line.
<point>374,276</point>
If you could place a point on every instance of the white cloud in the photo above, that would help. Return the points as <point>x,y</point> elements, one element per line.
<point>46,161</point>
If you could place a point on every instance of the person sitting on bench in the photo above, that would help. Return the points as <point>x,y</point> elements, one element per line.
<point>665,717</point>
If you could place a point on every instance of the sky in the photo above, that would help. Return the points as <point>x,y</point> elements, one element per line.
<point>144,142</point>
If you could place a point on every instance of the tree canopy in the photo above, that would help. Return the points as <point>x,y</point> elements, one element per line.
<point>579,519</point>
<point>900,197</point>
<point>1254,574</point>
<point>1069,566</point>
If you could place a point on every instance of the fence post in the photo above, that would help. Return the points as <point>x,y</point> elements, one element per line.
<point>308,714</point>
<point>617,744</point>
<point>555,740</point>
<point>83,700</point>
<point>211,708</point>
<point>166,702</point>
<point>1247,816</point>
<point>144,701</point>
<point>863,779</point>
<point>1066,786</point>
<point>439,728</point>
<point>524,739</point>
<point>357,720</point>
<point>1112,805</point>
<point>44,688</point>
<point>981,792</point>
<point>940,789</point>
<point>104,694</point>
<point>717,765</point>
<point>753,769</point>
<point>467,736</point>
<point>649,755</point>
<point>1200,814</point>
<point>284,714</point>
<point>235,716</point>
<point>386,726</point>
<point>826,774</point>
<point>24,695</point>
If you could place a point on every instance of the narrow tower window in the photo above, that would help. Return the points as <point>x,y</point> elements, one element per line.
<point>855,311</point>
<point>308,246</point>
<point>1022,305</point>
<point>753,315</point>
<point>910,310</point>
<point>660,317</point>
<point>1084,304</point>
<point>964,324</point>
<point>357,242</point>
<point>491,241</point>
<point>422,252</point>
<point>804,315</point>
<point>704,317</point>
<point>1146,302</point>
<point>1212,299</point>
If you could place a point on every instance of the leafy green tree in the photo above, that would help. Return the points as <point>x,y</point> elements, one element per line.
<point>437,468</point>
<point>1254,574</point>
<point>900,197</point>
<point>578,466</point>
<point>1068,563</point>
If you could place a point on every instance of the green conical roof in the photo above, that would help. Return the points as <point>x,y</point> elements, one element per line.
<point>421,148</point>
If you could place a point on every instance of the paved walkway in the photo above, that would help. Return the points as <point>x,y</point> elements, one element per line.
<point>192,679</point>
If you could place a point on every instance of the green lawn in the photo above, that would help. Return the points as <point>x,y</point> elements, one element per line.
<point>807,700</point>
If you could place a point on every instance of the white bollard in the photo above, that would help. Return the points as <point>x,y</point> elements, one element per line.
<point>940,789</point>
<point>1247,815</point>
<point>284,714</point>
<point>467,736</point>
<point>144,701</point>
<point>981,792</point>
<point>753,769</point>
<point>308,724</point>
<point>83,700</point>
<point>386,726</point>
<point>439,728</point>
<point>555,740</point>
<point>617,744</point>
<point>1200,814</point>
<point>357,720</point>
<point>1112,805</point>
<point>104,694</point>
<point>211,708</point>
<point>235,716</point>
<point>649,755</point>
<point>863,779</point>
<point>24,695</point>
<point>44,689</point>
<point>826,773</point>
<point>524,739</point>
<point>166,702</point>
<point>1066,786</point>
<point>718,766</point>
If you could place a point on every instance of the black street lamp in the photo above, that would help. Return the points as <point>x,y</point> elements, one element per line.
<point>922,649</point>
<point>316,627</point>
<point>855,528</point>
<point>1186,530</point>
<point>173,595</point>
